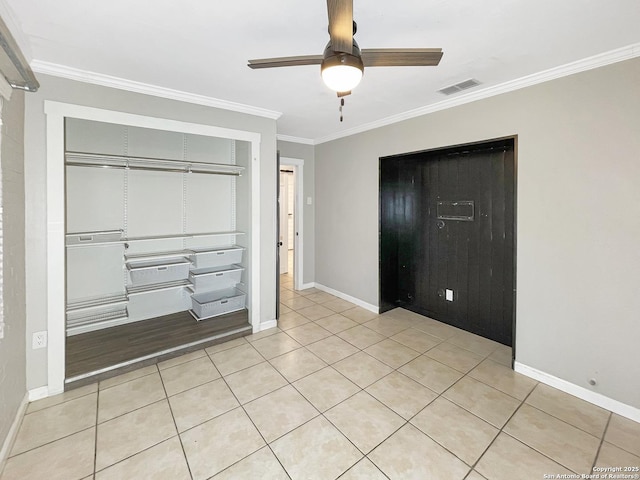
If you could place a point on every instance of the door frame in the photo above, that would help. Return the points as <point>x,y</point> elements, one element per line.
<point>298,218</point>
<point>514,138</point>
<point>283,203</point>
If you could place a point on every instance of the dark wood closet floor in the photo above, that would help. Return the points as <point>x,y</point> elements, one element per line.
<point>92,351</point>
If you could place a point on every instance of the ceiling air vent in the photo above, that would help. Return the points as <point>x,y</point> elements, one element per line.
<point>458,87</point>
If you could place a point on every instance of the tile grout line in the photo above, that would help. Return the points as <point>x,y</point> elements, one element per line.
<point>604,433</point>
<point>396,369</point>
<point>530,446</point>
<point>441,395</point>
<point>571,424</point>
<point>365,454</point>
<point>306,399</point>
<point>501,430</point>
<point>58,404</point>
<point>144,449</point>
<point>242,369</point>
<point>136,408</point>
<point>485,357</point>
<point>267,444</point>
<point>566,423</point>
<point>405,421</point>
<point>175,424</point>
<point>127,381</point>
<point>56,439</point>
<point>52,441</point>
<point>95,444</point>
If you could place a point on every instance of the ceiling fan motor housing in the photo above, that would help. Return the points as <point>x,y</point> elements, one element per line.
<point>341,71</point>
<point>332,59</point>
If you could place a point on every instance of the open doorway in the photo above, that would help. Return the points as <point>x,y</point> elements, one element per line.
<point>287,225</point>
<point>290,227</point>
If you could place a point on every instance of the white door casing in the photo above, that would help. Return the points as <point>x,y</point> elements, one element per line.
<point>297,165</point>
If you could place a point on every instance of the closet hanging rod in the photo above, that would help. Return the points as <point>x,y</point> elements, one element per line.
<point>106,243</point>
<point>95,232</point>
<point>158,169</point>
<point>81,159</point>
<point>185,235</point>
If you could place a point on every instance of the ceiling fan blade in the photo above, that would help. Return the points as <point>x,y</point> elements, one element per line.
<point>341,25</point>
<point>399,57</point>
<point>286,61</point>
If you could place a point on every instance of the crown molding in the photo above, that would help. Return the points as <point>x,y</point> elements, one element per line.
<point>596,61</point>
<point>289,138</point>
<point>94,78</point>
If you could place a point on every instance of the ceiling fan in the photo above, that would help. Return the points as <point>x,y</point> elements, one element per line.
<point>342,64</point>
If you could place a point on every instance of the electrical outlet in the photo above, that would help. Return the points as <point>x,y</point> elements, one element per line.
<point>448,295</point>
<point>39,340</point>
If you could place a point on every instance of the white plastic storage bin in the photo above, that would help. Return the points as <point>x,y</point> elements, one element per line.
<point>211,304</point>
<point>216,278</point>
<point>216,257</point>
<point>158,271</point>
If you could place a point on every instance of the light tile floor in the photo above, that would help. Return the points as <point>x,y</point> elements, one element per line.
<point>334,392</point>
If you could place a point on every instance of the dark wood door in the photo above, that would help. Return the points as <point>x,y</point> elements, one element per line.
<point>454,250</point>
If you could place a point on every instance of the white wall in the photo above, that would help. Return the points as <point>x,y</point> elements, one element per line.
<point>67,91</point>
<point>12,347</point>
<point>306,153</point>
<point>578,221</point>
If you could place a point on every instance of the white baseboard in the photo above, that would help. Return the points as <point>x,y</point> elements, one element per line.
<point>38,393</point>
<point>13,432</point>
<point>348,298</point>
<point>596,398</point>
<point>266,325</point>
<point>304,286</point>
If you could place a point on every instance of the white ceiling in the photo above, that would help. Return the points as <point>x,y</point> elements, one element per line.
<point>202,47</point>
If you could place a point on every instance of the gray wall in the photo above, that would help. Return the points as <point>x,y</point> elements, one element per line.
<point>68,91</point>
<point>578,267</point>
<point>12,347</point>
<point>306,153</point>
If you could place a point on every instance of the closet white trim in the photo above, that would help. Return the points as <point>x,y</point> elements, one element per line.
<point>56,112</point>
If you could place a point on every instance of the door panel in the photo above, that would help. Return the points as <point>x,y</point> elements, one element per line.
<point>472,257</point>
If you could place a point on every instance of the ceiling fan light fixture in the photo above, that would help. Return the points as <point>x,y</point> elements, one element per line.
<point>342,72</point>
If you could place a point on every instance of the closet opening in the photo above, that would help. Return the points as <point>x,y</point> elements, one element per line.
<point>158,235</point>
<point>447,236</point>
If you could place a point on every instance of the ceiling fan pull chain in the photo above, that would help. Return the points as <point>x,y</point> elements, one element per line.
<point>341,105</point>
